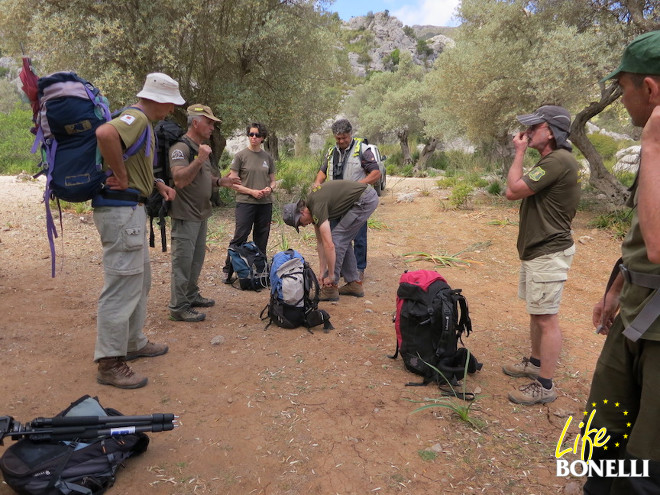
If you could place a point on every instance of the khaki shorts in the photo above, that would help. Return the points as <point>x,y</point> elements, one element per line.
<point>542,281</point>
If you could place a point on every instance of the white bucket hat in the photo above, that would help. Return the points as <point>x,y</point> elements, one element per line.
<point>161,88</point>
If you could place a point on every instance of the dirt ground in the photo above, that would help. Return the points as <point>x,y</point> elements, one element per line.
<point>289,412</point>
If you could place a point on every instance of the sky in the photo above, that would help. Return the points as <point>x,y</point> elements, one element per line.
<point>410,12</point>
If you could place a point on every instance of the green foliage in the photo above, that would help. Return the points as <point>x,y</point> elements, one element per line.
<point>460,408</point>
<point>424,49</point>
<point>392,60</point>
<point>279,64</point>
<point>626,178</point>
<point>495,188</point>
<point>297,174</point>
<point>16,141</point>
<point>605,145</point>
<point>460,194</point>
<point>3,72</point>
<point>410,32</point>
<point>427,455</point>
<point>617,222</point>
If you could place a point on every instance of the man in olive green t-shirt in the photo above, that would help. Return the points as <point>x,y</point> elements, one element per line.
<point>122,306</point>
<point>193,181</point>
<point>550,193</point>
<point>351,203</point>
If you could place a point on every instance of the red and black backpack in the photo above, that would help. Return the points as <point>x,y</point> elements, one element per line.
<point>430,321</point>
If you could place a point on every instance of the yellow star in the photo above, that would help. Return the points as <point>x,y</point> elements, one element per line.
<point>616,404</point>
<point>585,413</point>
<point>628,425</point>
<point>616,444</point>
<point>604,401</point>
<point>625,413</point>
<point>605,448</point>
<point>625,437</point>
<point>593,404</point>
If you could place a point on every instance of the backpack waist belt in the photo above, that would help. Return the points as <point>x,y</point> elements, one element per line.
<point>110,197</point>
<point>651,310</point>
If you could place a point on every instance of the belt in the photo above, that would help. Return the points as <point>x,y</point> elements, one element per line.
<point>651,309</point>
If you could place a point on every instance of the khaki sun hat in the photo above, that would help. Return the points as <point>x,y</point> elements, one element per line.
<point>161,88</point>
<point>204,110</point>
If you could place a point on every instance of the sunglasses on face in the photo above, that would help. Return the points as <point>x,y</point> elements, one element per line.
<point>254,134</point>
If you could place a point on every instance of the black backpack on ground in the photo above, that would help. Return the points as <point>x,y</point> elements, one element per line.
<point>167,134</point>
<point>70,467</point>
<point>294,294</point>
<point>251,266</point>
<point>431,318</point>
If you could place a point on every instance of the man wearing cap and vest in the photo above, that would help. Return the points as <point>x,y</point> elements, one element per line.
<point>350,159</point>
<point>550,193</point>
<point>122,306</point>
<point>624,390</point>
<point>193,177</point>
<point>350,204</point>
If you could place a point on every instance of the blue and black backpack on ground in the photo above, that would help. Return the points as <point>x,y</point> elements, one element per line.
<point>250,265</point>
<point>67,467</point>
<point>430,320</point>
<point>294,294</point>
<point>70,111</point>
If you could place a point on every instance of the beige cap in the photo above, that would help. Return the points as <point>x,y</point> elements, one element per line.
<point>204,110</point>
<point>161,88</point>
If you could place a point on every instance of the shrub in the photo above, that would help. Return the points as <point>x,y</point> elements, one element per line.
<point>605,145</point>
<point>460,195</point>
<point>617,222</point>
<point>495,188</point>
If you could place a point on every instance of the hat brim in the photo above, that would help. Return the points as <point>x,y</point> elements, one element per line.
<point>612,75</point>
<point>530,119</point>
<point>148,95</point>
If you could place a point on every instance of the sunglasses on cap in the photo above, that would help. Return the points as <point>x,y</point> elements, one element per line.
<point>254,134</point>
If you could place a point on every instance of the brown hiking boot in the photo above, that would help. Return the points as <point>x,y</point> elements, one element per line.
<point>114,371</point>
<point>329,293</point>
<point>352,289</point>
<point>533,393</point>
<point>149,350</point>
<point>523,369</point>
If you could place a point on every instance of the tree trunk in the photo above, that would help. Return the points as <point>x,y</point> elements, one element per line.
<point>405,147</point>
<point>600,178</point>
<point>218,144</point>
<point>271,145</point>
<point>427,151</point>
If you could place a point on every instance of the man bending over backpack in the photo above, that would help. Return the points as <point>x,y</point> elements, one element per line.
<point>127,273</point>
<point>351,203</point>
<point>193,179</point>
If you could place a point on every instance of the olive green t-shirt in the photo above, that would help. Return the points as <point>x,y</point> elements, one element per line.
<point>633,297</point>
<point>546,216</point>
<point>140,168</point>
<point>254,169</point>
<point>192,202</point>
<point>333,199</point>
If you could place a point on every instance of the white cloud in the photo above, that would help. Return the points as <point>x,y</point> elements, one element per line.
<point>428,12</point>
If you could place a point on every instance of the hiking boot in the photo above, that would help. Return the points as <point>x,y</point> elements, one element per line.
<point>189,315</point>
<point>523,369</point>
<point>114,371</point>
<point>533,393</point>
<point>329,293</point>
<point>149,350</point>
<point>352,289</point>
<point>202,302</point>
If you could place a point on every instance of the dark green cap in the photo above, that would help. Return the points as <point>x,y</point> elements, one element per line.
<point>641,56</point>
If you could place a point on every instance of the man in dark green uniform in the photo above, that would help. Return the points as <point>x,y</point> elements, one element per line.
<point>550,193</point>
<point>351,204</point>
<point>627,375</point>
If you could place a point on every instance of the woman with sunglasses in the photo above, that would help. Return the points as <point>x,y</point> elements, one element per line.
<point>254,200</point>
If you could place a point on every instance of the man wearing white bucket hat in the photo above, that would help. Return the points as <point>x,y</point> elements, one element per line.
<point>122,227</point>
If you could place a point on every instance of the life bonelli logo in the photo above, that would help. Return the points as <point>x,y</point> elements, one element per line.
<point>590,440</point>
